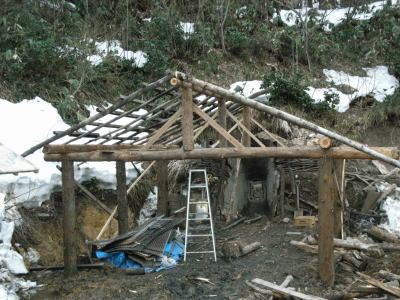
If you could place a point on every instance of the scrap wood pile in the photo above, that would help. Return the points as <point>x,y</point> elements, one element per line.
<point>355,255</point>
<point>146,244</point>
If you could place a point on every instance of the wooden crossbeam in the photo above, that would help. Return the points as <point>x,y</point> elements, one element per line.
<point>217,127</point>
<point>229,131</point>
<point>270,134</point>
<point>245,129</point>
<point>187,119</point>
<point>162,130</point>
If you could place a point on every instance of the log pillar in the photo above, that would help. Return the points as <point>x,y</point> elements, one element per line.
<point>326,189</point>
<point>162,188</point>
<point>187,119</point>
<point>122,198</point>
<point>69,218</point>
<point>222,121</point>
<point>247,112</point>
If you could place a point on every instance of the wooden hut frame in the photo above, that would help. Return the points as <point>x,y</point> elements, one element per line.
<point>193,106</point>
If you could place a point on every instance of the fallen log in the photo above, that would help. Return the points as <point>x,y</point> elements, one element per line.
<point>253,220</point>
<point>257,289</point>
<point>305,247</point>
<point>382,235</point>
<point>283,290</point>
<point>250,248</point>
<point>379,284</point>
<point>233,224</point>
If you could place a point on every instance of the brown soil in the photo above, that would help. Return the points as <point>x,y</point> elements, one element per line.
<point>272,262</point>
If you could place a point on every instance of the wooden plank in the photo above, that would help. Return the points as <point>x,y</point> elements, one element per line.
<point>246,130</point>
<point>162,130</point>
<point>284,290</point>
<point>392,290</point>
<point>69,218</point>
<point>326,221</point>
<point>217,127</point>
<point>162,188</point>
<point>222,121</point>
<point>122,199</point>
<point>247,112</point>
<point>187,119</point>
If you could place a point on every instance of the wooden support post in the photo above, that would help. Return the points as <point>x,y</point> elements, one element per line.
<point>326,188</point>
<point>69,217</point>
<point>247,112</point>
<point>122,198</point>
<point>282,190</point>
<point>162,185</point>
<point>339,166</point>
<point>187,119</point>
<point>222,121</point>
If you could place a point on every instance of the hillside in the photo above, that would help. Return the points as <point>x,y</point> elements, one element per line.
<point>82,52</point>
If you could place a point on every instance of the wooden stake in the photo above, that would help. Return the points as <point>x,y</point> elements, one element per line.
<point>222,121</point>
<point>339,193</point>
<point>122,200</point>
<point>247,112</point>
<point>326,221</point>
<point>69,218</point>
<point>187,119</point>
<point>162,184</point>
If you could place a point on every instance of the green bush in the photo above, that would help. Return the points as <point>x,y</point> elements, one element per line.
<point>290,91</point>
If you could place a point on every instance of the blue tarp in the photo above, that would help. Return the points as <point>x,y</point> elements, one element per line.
<point>120,260</point>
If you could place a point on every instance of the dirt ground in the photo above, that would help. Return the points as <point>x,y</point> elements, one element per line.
<point>273,262</point>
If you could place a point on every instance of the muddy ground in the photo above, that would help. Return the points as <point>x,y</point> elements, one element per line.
<point>273,262</point>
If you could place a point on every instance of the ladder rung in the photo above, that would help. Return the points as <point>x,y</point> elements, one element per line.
<point>193,186</point>
<point>198,219</point>
<point>198,202</point>
<point>197,170</point>
<point>200,252</point>
<point>199,235</point>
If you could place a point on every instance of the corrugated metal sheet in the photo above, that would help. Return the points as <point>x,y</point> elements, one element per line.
<point>12,163</point>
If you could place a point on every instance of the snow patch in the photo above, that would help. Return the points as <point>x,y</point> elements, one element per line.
<point>378,83</point>
<point>33,121</point>
<point>248,88</point>
<point>114,48</point>
<point>391,206</point>
<point>149,207</point>
<point>187,28</point>
<point>332,17</point>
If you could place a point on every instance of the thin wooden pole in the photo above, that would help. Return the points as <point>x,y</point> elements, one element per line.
<point>222,121</point>
<point>122,199</point>
<point>339,178</point>
<point>187,119</point>
<point>162,188</point>
<point>247,112</point>
<point>326,189</point>
<point>69,218</point>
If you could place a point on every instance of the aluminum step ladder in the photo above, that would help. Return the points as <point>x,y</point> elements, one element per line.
<point>193,216</point>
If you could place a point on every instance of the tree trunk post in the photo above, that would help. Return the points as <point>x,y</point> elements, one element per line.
<point>162,186</point>
<point>69,218</point>
<point>222,121</point>
<point>187,119</point>
<point>122,198</point>
<point>247,112</point>
<point>326,190</point>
